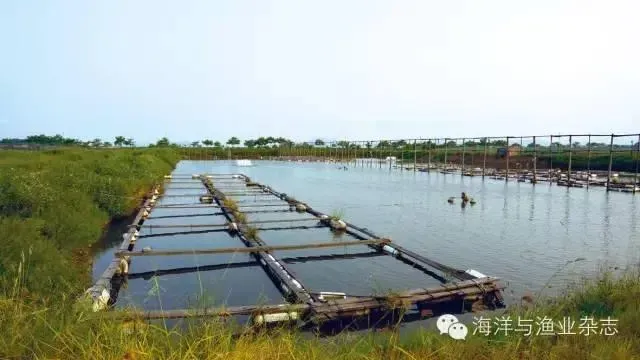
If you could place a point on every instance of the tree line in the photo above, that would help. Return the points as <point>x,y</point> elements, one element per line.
<point>280,142</point>
<point>59,140</point>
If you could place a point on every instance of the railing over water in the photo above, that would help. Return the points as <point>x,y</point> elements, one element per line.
<point>574,160</point>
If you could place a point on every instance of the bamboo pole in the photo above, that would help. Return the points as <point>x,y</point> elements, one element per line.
<point>464,148</point>
<point>429,155</point>
<point>589,162</point>
<point>484,158</point>
<point>635,177</point>
<point>610,162</point>
<point>570,157</point>
<point>535,161</point>
<point>506,178</point>
<point>390,147</point>
<point>446,143</point>
<point>171,226</point>
<point>460,290</point>
<point>550,158</point>
<point>250,249</point>
<point>415,155</point>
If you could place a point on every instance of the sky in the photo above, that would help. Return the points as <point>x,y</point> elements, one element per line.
<point>350,69</point>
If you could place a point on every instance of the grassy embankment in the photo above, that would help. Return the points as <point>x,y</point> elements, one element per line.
<point>53,205</point>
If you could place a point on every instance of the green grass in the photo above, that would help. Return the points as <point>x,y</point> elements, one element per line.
<point>68,332</point>
<point>337,214</point>
<point>54,205</point>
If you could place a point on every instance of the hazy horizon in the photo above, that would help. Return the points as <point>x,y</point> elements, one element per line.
<point>353,70</point>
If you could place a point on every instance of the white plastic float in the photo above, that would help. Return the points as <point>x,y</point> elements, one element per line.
<point>244,162</point>
<point>277,317</point>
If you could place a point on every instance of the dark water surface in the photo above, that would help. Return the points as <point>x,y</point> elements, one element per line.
<point>521,233</point>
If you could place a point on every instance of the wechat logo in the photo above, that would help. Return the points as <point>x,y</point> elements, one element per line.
<point>449,324</point>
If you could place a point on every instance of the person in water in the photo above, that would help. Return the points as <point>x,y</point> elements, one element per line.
<point>465,197</point>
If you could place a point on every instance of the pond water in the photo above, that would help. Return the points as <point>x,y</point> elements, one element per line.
<point>521,233</point>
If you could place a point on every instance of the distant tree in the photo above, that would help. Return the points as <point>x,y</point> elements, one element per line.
<point>106,144</point>
<point>207,142</point>
<point>576,144</point>
<point>596,144</point>
<point>129,142</point>
<point>233,141</point>
<point>217,144</point>
<point>368,145</point>
<point>250,143</point>
<point>195,144</point>
<point>96,142</point>
<point>319,142</point>
<point>398,144</point>
<point>498,143</point>
<point>343,144</point>
<point>120,140</point>
<point>164,142</point>
<point>383,144</point>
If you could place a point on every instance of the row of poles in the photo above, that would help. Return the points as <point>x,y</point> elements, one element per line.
<point>363,153</point>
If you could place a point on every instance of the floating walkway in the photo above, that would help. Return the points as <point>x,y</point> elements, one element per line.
<point>459,289</point>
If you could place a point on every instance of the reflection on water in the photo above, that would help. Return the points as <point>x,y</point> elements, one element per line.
<point>518,232</point>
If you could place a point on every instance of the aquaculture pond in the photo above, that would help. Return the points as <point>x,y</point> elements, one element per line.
<point>535,238</point>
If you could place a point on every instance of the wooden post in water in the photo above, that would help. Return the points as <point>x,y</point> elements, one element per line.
<point>484,158</point>
<point>535,161</point>
<point>610,162</point>
<point>570,156</point>
<point>390,147</point>
<point>429,152</point>
<point>588,161</point>
<point>415,155</point>
<point>550,171</point>
<point>445,152</point>
<point>635,177</point>
<point>506,178</point>
<point>464,148</point>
